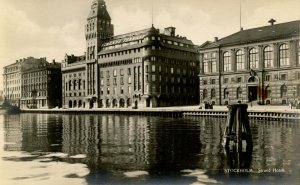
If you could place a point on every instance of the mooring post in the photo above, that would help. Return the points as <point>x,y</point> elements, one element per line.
<point>237,128</point>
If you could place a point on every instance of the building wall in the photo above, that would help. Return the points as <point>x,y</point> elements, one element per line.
<point>159,75</point>
<point>41,87</point>
<point>12,83</point>
<point>273,84</point>
<point>12,80</point>
<point>74,84</point>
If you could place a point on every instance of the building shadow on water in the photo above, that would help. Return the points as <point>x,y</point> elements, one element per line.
<point>120,149</point>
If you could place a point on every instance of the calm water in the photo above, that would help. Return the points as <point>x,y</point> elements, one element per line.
<point>110,149</point>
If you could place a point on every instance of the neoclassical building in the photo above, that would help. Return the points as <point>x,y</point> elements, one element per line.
<point>260,64</point>
<point>146,68</point>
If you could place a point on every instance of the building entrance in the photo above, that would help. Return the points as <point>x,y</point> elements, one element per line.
<point>252,93</point>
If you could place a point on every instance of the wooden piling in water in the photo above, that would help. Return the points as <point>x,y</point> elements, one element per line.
<point>237,128</point>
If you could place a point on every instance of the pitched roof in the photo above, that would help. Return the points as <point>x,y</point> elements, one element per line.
<point>276,31</point>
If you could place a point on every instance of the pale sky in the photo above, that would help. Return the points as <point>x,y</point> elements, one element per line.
<point>51,28</point>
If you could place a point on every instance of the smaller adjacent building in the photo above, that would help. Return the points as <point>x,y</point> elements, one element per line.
<point>74,82</point>
<point>12,82</point>
<point>41,85</point>
<point>33,83</point>
<point>260,64</point>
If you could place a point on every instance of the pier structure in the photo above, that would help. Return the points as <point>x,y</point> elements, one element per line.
<point>237,128</point>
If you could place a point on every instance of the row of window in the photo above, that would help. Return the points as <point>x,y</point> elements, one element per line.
<point>74,75</point>
<point>75,85</point>
<point>133,40</point>
<point>210,65</point>
<point>11,76</point>
<point>11,82</point>
<point>12,69</point>
<point>35,80</point>
<point>75,94</point>
<point>38,94</point>
<point>35,74</point>
<point>34,87</point>
<point>155,89</point>
<point>239,93</point>
<point>268,77</point>
<point>153,78</point>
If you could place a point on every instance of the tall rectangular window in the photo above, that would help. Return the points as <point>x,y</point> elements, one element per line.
<point>129,71</point>
<point>253,58</point>
<point>205,67</point>
<point>213,66</point>
<point>240,62</point>
<point>227,61</point>
<point>153,68</point>
<point>284,58</point>
<point>153,78</point>
<point>268,57</point>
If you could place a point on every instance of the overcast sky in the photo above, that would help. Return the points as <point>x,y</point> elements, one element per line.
<point>51,28</point>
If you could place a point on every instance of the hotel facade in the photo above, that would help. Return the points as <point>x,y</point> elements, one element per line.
<point>146,68</point>
<point>260,64</point>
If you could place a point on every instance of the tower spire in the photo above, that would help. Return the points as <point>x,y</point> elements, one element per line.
<point>152,17</point>
<point>241,28</point>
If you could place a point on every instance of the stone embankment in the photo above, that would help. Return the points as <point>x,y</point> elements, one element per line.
<point>255,112</point>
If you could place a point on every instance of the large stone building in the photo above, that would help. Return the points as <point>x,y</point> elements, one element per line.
<point>31,80</point>
<point>12,82</point>
<point>145,68</point>
<point>260,64</point>
<point>74,81</point>
<point>41,85</point>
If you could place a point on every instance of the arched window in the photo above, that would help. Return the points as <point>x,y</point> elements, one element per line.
<point>253,58</point>
<point>227,61</point>
<point>268,57</point>
<point>239,92</point>
<point>204,93</point>
<point>240,62</point>
<point>226,93</point>
<point>268,92</point>
<point>283,91</point>
<point>213,93</point>
<point>252,79</point>
<point>74,84</point>
<point>284,59</point>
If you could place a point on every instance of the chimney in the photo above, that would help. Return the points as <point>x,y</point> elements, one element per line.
<point>272,21</point>
<point>170,31</point>
<point>216,39</point>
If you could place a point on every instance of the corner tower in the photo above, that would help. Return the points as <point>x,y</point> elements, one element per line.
<point>97,30</point>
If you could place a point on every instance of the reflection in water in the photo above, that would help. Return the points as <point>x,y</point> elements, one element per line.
<point>151,150</point>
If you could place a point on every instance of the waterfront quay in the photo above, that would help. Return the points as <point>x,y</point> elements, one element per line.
<point>254,112</point>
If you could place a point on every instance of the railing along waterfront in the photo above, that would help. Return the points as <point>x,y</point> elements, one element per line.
<point>268,115</point>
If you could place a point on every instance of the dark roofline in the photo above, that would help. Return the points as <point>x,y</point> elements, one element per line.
<point>265,34</point>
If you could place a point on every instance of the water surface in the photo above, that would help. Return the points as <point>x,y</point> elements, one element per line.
<point>111,149</point>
